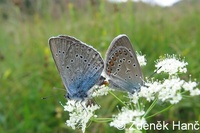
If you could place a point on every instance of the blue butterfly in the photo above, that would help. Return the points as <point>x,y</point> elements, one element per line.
<point>79,65</point>
<point>122,66</point>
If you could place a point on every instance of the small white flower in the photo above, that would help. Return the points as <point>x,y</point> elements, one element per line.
<point>188,86</point>
<point>177,98</point>
<point>146,93</point>
<point>139,122</point>
<point>101,91</point>
<point>170,90</point>
<point>125,117</point>
<point>141,59</point>
<point>79,114</point>
<point>149,90</point>
<point>195,92</point>
<point>171,65</point>
<point>134,97</point>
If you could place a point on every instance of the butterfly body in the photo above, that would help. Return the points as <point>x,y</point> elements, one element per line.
<point>79,65</point>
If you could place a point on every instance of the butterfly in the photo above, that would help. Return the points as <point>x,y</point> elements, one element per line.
<point>122,66</point>
<point>79,65</point>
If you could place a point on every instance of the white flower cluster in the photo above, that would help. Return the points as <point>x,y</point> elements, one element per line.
<point>79,113</point>
<point>171,65</point>
<point>127,116</point>
<point>101,91</point>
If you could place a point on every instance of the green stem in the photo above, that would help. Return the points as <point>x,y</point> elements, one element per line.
<point>160,111</point>
<point>101,119</point>
<point>117,98</point>
<point>151,106</point>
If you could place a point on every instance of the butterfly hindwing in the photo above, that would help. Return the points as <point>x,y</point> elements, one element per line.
<point>122,65</point>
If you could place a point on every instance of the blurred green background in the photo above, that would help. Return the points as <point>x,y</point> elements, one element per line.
<point>28,73</point>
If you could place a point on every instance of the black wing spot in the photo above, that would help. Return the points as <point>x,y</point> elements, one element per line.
<point>83,47</point>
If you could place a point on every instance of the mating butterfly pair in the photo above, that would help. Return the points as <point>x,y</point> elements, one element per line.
<point>80,66</point>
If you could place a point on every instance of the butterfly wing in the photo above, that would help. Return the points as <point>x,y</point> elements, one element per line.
<point>122,65</point>
<point>79,65</point>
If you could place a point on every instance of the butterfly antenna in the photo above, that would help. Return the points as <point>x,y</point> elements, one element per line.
<point>154,72</point>
<point>83,106</point>
<point>44,98</point>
